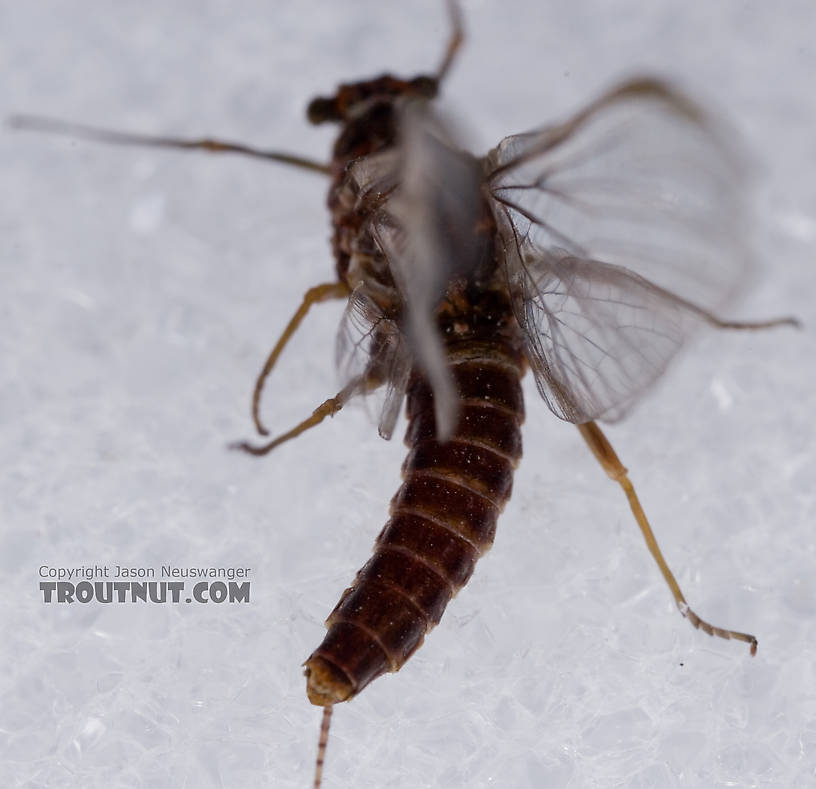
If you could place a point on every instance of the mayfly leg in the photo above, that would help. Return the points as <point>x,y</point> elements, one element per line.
<point>328,408</point>
<point>315,295</point>
<point>457,38</point>
<point>39,123</point>
<point>606,456</point>
<point>773,323</point>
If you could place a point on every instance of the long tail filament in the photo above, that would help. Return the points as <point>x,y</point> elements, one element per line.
<point>321,745</point>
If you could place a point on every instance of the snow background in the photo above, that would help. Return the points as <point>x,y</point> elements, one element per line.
<point>140,293</point>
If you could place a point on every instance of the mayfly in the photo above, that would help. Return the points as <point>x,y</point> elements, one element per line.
<point>587,251</point>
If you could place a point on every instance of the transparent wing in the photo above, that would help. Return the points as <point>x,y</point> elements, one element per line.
<point>641,178</point>
<point>426,231</point>
<point>418,205</point>
<point>622,230</point>
<point>374,178</point>
<point>371,347</point>
<point>597,334</point>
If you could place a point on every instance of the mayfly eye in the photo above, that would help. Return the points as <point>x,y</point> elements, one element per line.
<point>323,110</point>
<point>424,86</point>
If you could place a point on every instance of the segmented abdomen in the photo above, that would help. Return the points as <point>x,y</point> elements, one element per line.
<point>443,518</point>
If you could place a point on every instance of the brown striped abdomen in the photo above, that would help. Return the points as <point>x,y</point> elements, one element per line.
<point>443,518</point>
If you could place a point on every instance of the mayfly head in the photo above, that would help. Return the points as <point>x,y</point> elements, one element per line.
<point>369,112</point>
<point>356,99</point>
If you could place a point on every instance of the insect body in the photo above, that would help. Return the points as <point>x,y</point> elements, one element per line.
<point>457,281</point>
<point>587,251</point>
<point>444,515</point>
<point>461,273</point>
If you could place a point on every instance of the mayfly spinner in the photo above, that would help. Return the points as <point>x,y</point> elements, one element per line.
<point>587,251</point>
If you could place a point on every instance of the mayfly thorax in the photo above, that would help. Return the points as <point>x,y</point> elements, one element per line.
<point>587,251</point>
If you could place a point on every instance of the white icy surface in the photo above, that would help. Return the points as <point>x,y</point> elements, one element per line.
<point>140,292</point>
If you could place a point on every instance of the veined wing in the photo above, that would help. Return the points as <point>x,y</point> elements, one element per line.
<point>423,231</point>
<point>597,334</point>
<point>371,348</point>
<point>622,229</point>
